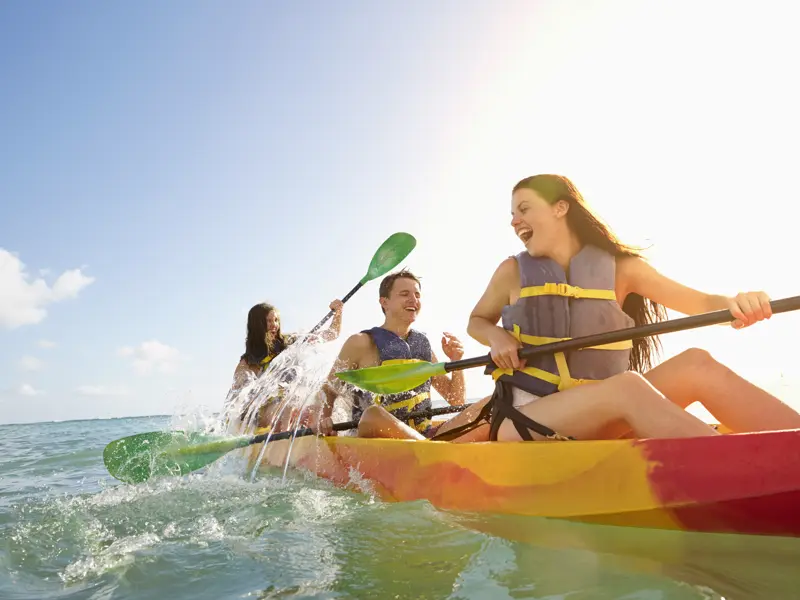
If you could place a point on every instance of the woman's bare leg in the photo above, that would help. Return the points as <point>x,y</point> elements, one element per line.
<point>585,411</point>
<point>479,434</point>
<point>694,376</point>
<point>377,422</point>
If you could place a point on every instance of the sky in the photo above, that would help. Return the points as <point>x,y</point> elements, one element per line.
<point>165,166</point>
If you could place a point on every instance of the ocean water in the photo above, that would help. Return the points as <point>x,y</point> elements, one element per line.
<point>68,530</point>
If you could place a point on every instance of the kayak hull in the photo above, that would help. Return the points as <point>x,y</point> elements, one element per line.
<point>738,483</point>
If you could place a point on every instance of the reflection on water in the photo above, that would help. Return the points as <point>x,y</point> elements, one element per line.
<point>733,566</point>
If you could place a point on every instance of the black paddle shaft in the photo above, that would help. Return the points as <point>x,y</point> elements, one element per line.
<point>630,333</point>
<point>285,435</point>
<point>345,299</point>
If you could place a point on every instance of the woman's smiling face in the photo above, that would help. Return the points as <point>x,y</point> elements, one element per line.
<point>536,222</point>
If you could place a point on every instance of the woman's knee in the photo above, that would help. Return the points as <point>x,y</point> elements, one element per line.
<point>627,389</point>
<point>697,358</point>
<point>628,380</point>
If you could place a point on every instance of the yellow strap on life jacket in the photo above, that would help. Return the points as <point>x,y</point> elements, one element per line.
<point>569,291</point>
<point>563,380</point>
<point>422,426</point>
<point>537,340</point>
<point>409,403</point>
<point>563,370</point>
<point>401,361</point>
<point>532,371</point>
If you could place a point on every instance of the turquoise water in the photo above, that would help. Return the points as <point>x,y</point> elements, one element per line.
<point>67,530</point>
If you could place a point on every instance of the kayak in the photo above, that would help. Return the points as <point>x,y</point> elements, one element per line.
<point>746,483</point>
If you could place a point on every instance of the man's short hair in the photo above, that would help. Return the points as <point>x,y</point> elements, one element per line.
<point>388,282</point>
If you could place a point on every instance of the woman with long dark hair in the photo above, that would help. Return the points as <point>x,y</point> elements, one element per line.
<point>575,278</point>
<point>265,341</point>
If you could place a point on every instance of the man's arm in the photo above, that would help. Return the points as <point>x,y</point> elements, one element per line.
<point>350,357</point>
<point>452,387</point>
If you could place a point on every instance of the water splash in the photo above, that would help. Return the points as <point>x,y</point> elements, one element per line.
<point>286,397</point>
<point>122,527</point>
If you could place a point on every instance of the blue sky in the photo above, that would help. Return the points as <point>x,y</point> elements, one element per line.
<point>175,163</point>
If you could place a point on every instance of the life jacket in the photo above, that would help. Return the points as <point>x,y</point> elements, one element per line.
<point>552,307</point>
<point>392,350</point>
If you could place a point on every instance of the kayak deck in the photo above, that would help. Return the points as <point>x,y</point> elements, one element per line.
<point>738,483</point>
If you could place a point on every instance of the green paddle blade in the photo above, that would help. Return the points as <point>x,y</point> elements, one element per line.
<point>396,247</point>
<point>139,457</point>
<point>392,379</point>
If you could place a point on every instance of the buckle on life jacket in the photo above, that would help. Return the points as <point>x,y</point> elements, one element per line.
<point>570,291</point>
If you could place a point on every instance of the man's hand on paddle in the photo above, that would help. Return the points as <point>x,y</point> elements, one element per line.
<point>319,423</point>
<point>315,417</point>
<point>325,426</point>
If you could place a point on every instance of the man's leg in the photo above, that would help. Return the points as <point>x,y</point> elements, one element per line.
<point>377,422</point>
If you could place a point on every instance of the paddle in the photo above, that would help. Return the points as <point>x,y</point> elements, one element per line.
<point>393,379</point>
<point>396,247</point>
<point>137,458</point>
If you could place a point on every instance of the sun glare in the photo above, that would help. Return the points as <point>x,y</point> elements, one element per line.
<point>672,160</point>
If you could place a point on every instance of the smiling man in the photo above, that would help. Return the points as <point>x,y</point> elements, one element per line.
<point>394,342</point>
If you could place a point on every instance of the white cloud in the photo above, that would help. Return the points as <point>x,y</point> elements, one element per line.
<point>46,344</point>
<point>152,356</point>
<point>102,390</point>
<point>27,389</point>
<point>24,300</point>
<point>30,363</point>
<point>69,284</point>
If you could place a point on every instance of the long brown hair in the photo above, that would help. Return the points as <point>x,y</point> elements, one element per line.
<point>255,344</point>
<point>591,230</point>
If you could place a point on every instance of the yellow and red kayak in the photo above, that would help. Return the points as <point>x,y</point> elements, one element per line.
<point>738,483</point>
